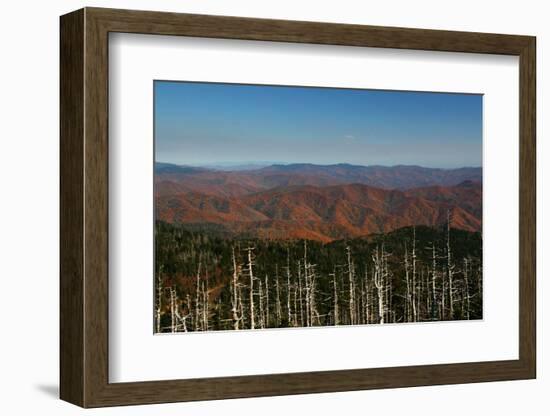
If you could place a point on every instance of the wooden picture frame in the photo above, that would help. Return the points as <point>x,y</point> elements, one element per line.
<point>84,207</point>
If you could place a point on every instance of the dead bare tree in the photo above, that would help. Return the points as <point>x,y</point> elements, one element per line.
<point>198,293</point>
<point>278,309</point>
<point>182,319</point>
<point>235,292</point>
<point>351,282</point>
<point>206,306</point>
<point>261,303</point>
<point>450,267</point>
<point>314,313</point>
<point>250,270</point>
<point>189,309</point>
<point>300,291</point>
<point>408,296</point>
<point>426,292</point>
<point>307,286</point>
<point>466,290</point>
<point>177,321</point>
<point>159,299</point>
<point>368,306</point>
<point>389,295</point>
<point>173,306</point>
<point>241,310</point>
<point>413,294</point>
<point>387,278</point>
<point>288,308</point>
<point>295,305</point>
<point>266,301</point>
<point>308,299</point>
<point>379,281</point>
<point>336,315</point>
<point>434,305</point>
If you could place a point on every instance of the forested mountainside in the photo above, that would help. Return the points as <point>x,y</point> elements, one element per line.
<point>413,274</point>
<point>323,203</point>
<point>323,214</point>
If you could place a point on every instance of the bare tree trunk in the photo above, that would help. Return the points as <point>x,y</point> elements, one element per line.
<point>389,298</point>
<point>368,289</point>
<point>242,310</point>
<point>300,290</point>
<point>307,286</point>
<point>235,295</point>
<point>206,307</point>
<point>335,299</point>
<point>479,282</point>
<point>266,302</point>
<point>444,291</point>
<point>288,309</point>
<point>295,315</point>
<point>159,300</point>
<point>429,297</point>
<point>189,309</point>
<point>197,297</point>
<point>379,283</point>
<point>434,285</point>
<point>251,283</point>
<point>443,298</point>
<point>413,299</point>
<point>313,301</point>
<point>181,319</point>
<point>450,266</point>
<point>278,309</point>
<point>351,279</point>
<point>408,282</point>
<point>308,299</point>
<point>467,288</point>
<point>386,280</point>
<point>261,299</point>
<point>173,309</point>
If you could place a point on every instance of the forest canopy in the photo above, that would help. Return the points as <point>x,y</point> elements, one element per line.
<point>414,274</point>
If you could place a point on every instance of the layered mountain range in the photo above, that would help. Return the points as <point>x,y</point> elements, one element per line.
<point>317,202</point>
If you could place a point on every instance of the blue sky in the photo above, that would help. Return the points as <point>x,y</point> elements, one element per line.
<point>207,124</point>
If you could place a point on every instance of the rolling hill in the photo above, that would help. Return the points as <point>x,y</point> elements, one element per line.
<point>307,201</point>
<point>242,182</point>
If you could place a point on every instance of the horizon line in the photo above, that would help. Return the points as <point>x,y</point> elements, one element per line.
<point>268,164</point>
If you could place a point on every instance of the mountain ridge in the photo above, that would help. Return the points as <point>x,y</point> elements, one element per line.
<point>324,213</point>
<point>239,183</point>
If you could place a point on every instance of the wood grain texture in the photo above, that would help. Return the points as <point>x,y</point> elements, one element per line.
<point>162,23</point>
<point>84,207</point>
<point>71,100</point>
<point>96,218</point>
<point>527,208</point>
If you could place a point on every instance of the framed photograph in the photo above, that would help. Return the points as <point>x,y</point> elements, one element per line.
<point>255,207</point>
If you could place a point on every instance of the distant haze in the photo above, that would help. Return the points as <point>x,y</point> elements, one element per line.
<point>241,127</point>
